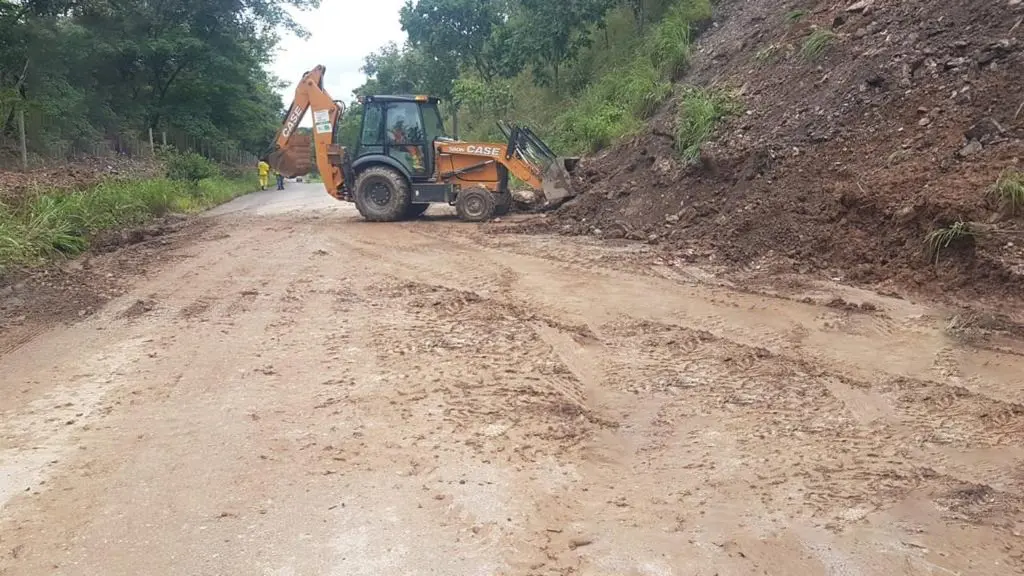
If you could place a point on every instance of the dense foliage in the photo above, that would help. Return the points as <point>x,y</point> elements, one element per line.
<point>582,72</point>
<point>101,68</point>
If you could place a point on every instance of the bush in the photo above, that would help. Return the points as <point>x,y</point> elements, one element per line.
<point>189,167</point>
<point>700,110</point>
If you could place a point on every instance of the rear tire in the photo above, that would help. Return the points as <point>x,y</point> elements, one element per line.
<point>416,210</point>
<point>382,194</point>
<point>476,204</point>
<point>504,204</point>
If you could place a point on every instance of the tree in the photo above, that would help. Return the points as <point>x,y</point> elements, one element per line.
<point>108,67</point>
<point>458,31</point>
<point>552,33</point>
<point>407,70</point>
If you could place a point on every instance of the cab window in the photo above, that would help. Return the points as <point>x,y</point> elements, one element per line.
<point>373,122</point>
<point>404,125</point>
<point>433,123</point>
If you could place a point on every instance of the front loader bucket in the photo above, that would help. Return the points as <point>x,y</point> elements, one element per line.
<point>294,160</point>
<point>555,172</point>
<point>557,181</point>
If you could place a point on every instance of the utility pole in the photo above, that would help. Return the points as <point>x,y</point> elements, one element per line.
<point>24,143</point>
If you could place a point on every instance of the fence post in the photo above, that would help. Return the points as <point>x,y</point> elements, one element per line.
<point>152,147</point>
<point>165,138</point>
<point>24,143</point>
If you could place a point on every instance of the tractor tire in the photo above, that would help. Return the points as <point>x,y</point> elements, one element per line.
<point>382,194</point>
<point>504,204</point>
<point>416,210</point>
<point>476,204</point>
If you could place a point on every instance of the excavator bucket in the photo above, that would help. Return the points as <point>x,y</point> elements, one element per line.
<point>294,160</point>
<point>556,172</point>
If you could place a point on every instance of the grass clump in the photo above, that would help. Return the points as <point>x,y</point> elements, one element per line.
<point>669,46</point>
<point>1009,191</point>
<point>794,16</point>
<point>942,238</point>
<point>60,223</point>
<point>817,43</point>
<point>700,111</point>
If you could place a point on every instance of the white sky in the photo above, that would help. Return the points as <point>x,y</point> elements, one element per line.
<point>343,33</point>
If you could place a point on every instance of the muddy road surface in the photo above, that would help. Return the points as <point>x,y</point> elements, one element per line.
<point>291,391</point>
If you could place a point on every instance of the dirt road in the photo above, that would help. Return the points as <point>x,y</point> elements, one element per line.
<point>291,391</point>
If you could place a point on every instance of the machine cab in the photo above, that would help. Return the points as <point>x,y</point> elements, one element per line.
<point>403,128</point>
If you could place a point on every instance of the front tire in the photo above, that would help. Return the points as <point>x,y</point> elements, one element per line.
<point>476,204</point>
<point>382,194</point>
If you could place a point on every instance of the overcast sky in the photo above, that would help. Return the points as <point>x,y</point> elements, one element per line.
<point>343,33</point>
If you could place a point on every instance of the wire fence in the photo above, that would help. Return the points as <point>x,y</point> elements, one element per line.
<point>39,141</point>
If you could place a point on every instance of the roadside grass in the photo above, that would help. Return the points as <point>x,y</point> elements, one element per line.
<point>55,224</point>
<point>1009,191</point>
<point>817,43</point>
<point>700,111</point>
<point>942,238</point>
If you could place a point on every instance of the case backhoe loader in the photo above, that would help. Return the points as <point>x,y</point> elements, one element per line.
<point>404,161</point>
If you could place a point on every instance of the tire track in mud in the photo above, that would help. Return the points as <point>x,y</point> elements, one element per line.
<point>706,419</point>
<point>458,409</point>
<point>778,411</point>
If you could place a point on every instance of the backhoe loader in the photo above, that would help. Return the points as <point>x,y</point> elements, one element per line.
<point>404,161</point>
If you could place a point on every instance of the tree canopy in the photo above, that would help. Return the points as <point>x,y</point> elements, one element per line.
<point>108,67</point>
<point>583,72</point>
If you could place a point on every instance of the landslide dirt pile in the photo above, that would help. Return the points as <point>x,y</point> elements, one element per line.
<point>841,163</point>
<point>81,173</point>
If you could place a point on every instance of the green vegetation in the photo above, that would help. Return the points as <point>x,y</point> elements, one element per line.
<point>938,240</point>
<point>795,16</point>
<point>700,111</point>
<point>86,71</point>
<point>581,73</point>
<point>817,43</point>
<point>189,167</point>
<point>56,223</point>
<point>1009,191</point>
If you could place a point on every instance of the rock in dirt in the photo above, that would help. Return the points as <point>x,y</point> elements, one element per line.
<point>973,147</point>
<point>579,542</point>
<point>860,6</point>
<point>984,130</point>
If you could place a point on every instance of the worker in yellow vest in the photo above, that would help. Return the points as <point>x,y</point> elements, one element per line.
<point>264,174</point>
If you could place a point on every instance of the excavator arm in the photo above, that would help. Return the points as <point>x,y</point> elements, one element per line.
<point>291,155</point>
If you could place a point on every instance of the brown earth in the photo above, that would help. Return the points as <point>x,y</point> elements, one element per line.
<point>78,174</point>
<point>839,166</point>
<point>284,389</point>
